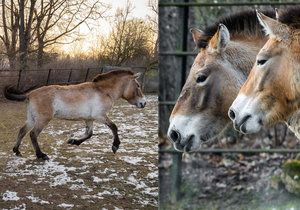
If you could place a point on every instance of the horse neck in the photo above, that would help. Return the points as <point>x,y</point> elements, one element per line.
<point>114,87</point>
<point>293,123</point>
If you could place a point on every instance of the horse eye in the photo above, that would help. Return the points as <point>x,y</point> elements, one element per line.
<point>201,78</point>
<point>261,62</point>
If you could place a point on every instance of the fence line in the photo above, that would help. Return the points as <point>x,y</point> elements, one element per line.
<point>75,69</point>
<point>51,72</point>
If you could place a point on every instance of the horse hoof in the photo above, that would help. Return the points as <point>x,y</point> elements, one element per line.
<point>17,152</point>
<point>74,142</point>
<point>42,156</point>
<point>114,149</point>
<point>71,141</point>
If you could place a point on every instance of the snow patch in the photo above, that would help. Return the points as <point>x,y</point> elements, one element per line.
<point>97,179</point>
<point>37,200</point>
<point>153,175</point>
<point>132,160</point>
<point>66,206</point>
<point>10,196</point>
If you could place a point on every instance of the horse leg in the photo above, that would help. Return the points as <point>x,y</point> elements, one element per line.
<point>114,130</point>
<point>37,129</point>
<point>23,131</point>
<point>88,134</point>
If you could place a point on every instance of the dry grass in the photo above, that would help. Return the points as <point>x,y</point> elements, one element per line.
<point>89,176</point>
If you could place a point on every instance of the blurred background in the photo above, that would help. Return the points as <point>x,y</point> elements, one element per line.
<point>243,172</point>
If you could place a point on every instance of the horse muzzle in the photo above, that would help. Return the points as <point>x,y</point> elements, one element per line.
<point>141,104</point>
<point>246,115</point>
<point>184,132</point>
<point>181,143</point>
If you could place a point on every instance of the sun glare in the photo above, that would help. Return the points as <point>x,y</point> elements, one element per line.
<point>88,34</point>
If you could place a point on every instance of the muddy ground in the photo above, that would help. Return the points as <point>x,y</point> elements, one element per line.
<point>232,181</point>
<point>88,176</point>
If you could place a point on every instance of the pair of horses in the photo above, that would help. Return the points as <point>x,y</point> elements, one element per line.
<point>87,101</point>
<point>221,78</point>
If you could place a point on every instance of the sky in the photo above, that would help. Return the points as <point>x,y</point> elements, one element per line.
<point>90,34</point>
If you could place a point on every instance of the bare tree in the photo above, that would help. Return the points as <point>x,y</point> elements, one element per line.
<point>130,38</point>
<point>56,19</point>
<point>153,4</point>
<point>31,27</point>
<point>25,30</point>
<point>16,24</point>
<point>9,25</point>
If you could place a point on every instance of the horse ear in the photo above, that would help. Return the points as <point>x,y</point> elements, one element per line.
<point>196,34</point>
<point>137,75</point>
<point>220,40</point>
<point>273,27</point>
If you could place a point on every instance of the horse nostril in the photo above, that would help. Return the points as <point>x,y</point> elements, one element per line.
<point>231,114</point>
<point>142,104</point>
<point>174,135</point>
<point>243,128</point>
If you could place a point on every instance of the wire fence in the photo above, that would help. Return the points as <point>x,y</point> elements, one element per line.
<point>39,77</point>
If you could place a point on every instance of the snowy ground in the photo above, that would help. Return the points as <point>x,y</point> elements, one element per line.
<point>86,176</point>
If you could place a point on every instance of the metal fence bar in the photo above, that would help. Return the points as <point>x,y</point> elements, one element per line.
<point>87,74</point>
<point>178,53</point>
<point>48,76</point>
<point>19,79</point>
<point>177,176</point>
<point>249,151</point>
<point>229,4</point>
<point>162,103</point>
<point>70,75</point>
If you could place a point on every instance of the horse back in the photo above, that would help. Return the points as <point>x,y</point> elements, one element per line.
<point>72,102</point>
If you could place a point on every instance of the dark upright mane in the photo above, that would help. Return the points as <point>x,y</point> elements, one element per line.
<point>245,22</point>
<point>108,75</point>
<point>290,16</point>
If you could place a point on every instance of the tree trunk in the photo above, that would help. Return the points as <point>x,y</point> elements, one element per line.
<point>23,50</point>
<point>12,61</point>
<point>40,55</point>
<point>25,32</point>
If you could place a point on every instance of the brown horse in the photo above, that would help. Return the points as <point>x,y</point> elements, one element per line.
<point>222,65</point>
<point>87,101</point>
<point>272,90</point>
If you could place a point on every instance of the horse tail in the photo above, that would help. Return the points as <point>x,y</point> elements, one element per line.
<point>11,93</point>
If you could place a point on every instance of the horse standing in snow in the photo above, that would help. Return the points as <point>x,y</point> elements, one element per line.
<point>88,101</point>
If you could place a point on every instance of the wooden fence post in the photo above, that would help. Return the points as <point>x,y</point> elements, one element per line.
<point>19,79</point>
<point>70,74</point>
<point>176,177</point>
<point>87,74</point>
<point>48,76</point>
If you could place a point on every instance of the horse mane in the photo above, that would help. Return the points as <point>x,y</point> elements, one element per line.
<point>290,17</point>
<point>110,74</point>
<point>241,23</point>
